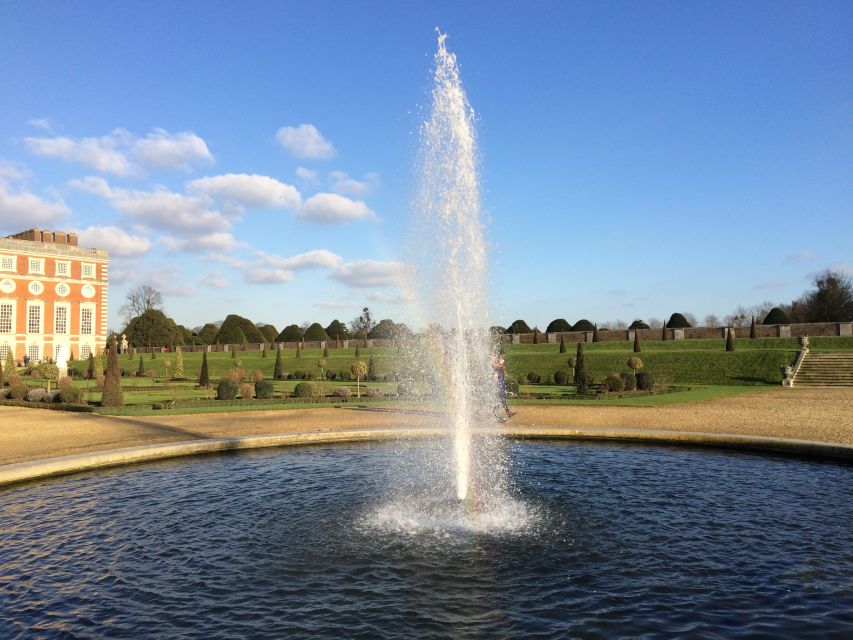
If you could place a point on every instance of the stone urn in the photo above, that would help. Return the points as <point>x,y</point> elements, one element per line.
<point>804,342</point>
<point>787,375</point>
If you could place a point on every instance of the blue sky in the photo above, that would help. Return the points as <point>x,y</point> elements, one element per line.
<point>258,158</point>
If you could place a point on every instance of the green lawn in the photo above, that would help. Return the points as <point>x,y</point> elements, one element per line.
<point>636,399</point>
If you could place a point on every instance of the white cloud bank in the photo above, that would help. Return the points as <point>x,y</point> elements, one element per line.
<point>116,241</point>
<point>366,274</point>
<point>341,182</point>
<point>248,190</point>
<point>121,154</point>
<point>305,141</point>
<point>20,208</point>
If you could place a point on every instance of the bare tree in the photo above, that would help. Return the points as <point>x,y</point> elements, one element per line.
<point>711,320</point>
<point>655,323</point>
<point>363,323</point>
<point>690,318</point>
<point>139,300</point>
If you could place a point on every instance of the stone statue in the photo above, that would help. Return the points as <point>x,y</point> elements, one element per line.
<point>62,362</point>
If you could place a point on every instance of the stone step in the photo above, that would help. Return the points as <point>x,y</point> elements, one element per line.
<point>826,370</point>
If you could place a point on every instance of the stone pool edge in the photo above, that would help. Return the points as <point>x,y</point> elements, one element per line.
<point>21,472</point>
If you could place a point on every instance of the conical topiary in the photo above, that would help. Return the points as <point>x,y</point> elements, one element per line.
<point>141,370</point>
<point>90,368</point>
<point>298,349</point>
<point>9,367</point>
<point>357,350</point>
<point>99,367</point>
<point>535,335</point>
<point>580,362</point>
<point>595,337</point>
<point>2,376</point>
<point>663,335</point>
<point>371,368</point>
<point>562,344</point>
<point>753,333</point>
<point>264,350</point>
<point>636,341</point>
<point>730,339</point>
<point>233,353</point>
<point>326,351</point>
<point>112,395</point>
<point>204,375</point>
<point>178,371</point>
<point>277,370</point>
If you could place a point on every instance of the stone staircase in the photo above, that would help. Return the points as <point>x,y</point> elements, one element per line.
<point>825,370</point>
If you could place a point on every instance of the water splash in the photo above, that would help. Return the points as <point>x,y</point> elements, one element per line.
<point>451,262</point>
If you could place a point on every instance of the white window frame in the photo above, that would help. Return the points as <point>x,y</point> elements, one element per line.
<point>88,307</point>
<point>67,307</point>
<point>85,350</point>
<point>14,260</point>
<point>14,305</point>
<point>5,348</point>
<point>34,351</point>
<point>39,262</point>
<point>40,306</point>
<point>83,266</point>
<point>66,264</point>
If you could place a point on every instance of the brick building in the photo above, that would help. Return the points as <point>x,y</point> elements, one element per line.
<point>52,292</point>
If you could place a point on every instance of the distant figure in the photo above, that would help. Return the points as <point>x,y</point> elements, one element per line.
<point>499,370</point>
<point>26,360</point>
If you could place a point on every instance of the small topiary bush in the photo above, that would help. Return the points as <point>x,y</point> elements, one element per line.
<point>69,394</point>
<point>263,389</point>
<point>247,391</point>
<point>511,385</point>
<point>298,375</point>
<point>227,389</point>
<point>613,382</point>
<point>36,395</point>
<point>628,380</point>
<point>19,391</point>
<point>645,381</point>
<point>776,316</point>
<point>561,376</point>
<point>373,392</point>
<point>344,375</point>
<point>343,392</point>
<point>583,380</point>
<point>304,390</point>
<point>533,378</point>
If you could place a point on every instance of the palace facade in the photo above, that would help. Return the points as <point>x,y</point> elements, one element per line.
<point>52,292</point>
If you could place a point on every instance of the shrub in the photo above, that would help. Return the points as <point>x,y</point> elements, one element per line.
<point>558,326</point>
<point>15,379</point>
<point>141,370</point>
<point>247,391</point>
<point>519,326</point>
<point>613,382</point>
<point>645,381</point>
<point>113,395</point>
<point>677,321</point>
<point>178,371</point>
<point>238,330</point>
<point>776,316</point>
<point>315,333</point>
<point>635,363</point>
<point>730,339</point>
<point>583,325</point>
<point>533,378</point>
<point>638,324</point>
<point>511,384</point>
<point>149,373</point>
<point>298,375</point>
<point>580,362</point>
<point>373,392</point>
<point>304,390</point>
<point>69,393</point>
<point>227,389</point>
<point>204,375</point>
<point>595,336</point>
<point>19,391</point>
<point>342,392</point>
<point>637,342</point>
<point>344,375</point>
<point>291,333</point>
<point>326,351</point>
<point>257,376</point>
<point>628,380</point>
<point>582,380</point>
<point>753,333</point>
<point>561,376</point>
<point>100,380</point>
<point>36,395</point>
<point>263,389</point>
<point>277,370</point>
<point>562,344</point>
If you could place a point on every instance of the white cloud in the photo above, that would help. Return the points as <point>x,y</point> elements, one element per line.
<point>116,241</point>
<point>801,258</point>
<point>12,172</point>
<point>41,123</point>
<point>341,182</point>
<point>383,298</point>
<point>331,208</point>
<point>24,209</point>
<point>262,275</point>
<point>162,150</point>
<point>160,208</point>
<point>305,141</point>
<point>214,280</point>
<point>120,154</point>
<point>364,274</point>
<point>306,174</point>
<point>219,242</point>
<point>248,190</point>
<point>317,259</point>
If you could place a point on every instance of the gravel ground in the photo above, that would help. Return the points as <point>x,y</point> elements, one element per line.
<point>819,414</point>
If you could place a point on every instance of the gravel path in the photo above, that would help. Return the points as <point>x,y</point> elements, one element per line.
<point>824,415</point>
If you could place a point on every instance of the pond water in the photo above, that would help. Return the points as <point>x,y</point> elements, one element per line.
<point>596,541</point>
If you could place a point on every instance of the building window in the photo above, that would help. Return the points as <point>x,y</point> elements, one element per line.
<point>7,263</point>
<point>88,270</point>
<point>85,351</point>
<point>34,318</point>
<point>4,353</point>
<point>63,268</point>
<point>35,287</point>
<point>34,352</point>
<point>6,314</point>
<point>86,321</point>
<point>36,265</point>
<point>62,289</point>
<point>60,324</point>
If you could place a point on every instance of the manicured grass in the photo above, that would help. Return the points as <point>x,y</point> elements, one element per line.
<point>692,394</point>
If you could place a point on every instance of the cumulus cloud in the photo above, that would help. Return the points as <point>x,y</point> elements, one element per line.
<point>248,190</point>
<point>305,141</point>
<point>20,208</point>
<point>801,258</point>
<point>317,259</point>
<point>306,174</point>
<point>121,154</point>
<point>214,280</point>
<point>41,123</point>
<point>331,208</point>
<point>162,150</point>
<point>365,274</point>
<point>12,172</point>
<point>341,182</point>
<point>264,275</point>
<point>116,241</point>
<point>219,241</point>
<point>383,298</point>
<point>160,208</point>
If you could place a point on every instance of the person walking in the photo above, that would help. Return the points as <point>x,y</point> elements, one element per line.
<point>499,369</point>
